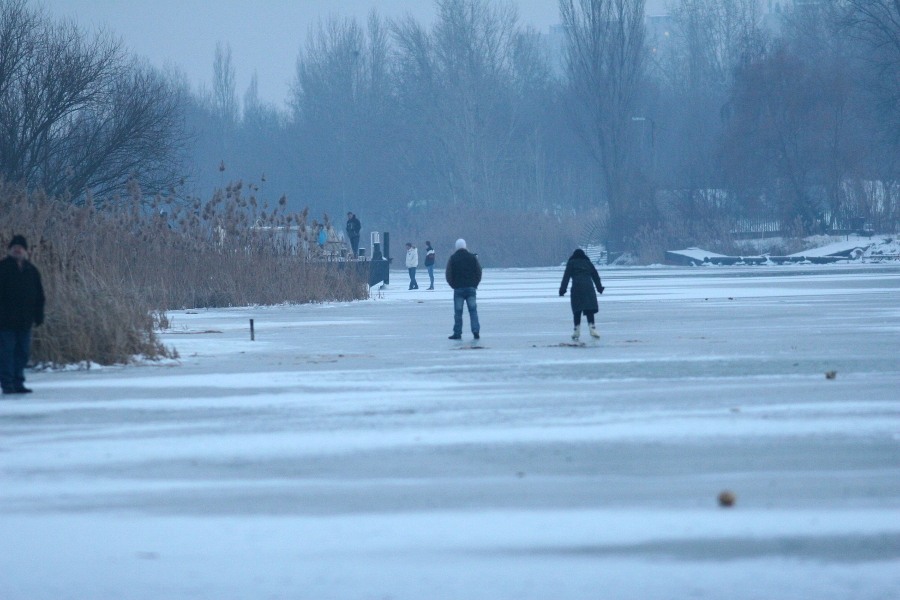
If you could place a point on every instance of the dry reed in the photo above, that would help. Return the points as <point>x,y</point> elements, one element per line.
<point>110,267</point>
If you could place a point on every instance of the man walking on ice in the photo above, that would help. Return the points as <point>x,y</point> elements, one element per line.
<point>21,306</point>
<point>464,274</point>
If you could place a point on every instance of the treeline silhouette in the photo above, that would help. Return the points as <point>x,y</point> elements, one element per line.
<point>720,120</point>
<point>640,132</point>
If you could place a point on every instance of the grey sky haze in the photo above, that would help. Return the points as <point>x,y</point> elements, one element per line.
<point>265,36</point>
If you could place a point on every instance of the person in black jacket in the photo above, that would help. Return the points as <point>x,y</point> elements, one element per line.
<point>464,274</point>
<point>584,278</point>
<point>21,306</point>
<point>353,229</point>
<point>429,263</point>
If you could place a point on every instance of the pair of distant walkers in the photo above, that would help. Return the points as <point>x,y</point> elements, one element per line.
<point>464,274</point>
<point>412,263</point>
<point>21,307</point>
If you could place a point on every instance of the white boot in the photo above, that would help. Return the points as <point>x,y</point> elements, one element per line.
<point>594,333</point>
<point>577,333</point>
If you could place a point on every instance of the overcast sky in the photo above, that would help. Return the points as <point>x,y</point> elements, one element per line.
<point>265,35</point>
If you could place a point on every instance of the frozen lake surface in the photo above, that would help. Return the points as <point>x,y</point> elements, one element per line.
<point>352,451</point>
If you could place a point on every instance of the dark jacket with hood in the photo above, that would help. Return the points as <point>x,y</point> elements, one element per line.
<point>584,278</point>
<point>21,295</point>
<point>353,227</point>
<point>463,270</point>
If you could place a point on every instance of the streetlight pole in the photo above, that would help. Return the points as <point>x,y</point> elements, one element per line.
<point>652,140</point>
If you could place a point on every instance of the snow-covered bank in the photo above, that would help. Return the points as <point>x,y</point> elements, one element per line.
<point>352,451</point>
<point>819,250</point>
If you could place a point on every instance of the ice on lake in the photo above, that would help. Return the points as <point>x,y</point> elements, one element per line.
<point>352,451</point>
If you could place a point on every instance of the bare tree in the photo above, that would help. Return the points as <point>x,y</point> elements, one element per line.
<point>225,102</point>
<point>77,112</point>
<point>715,37</point>
<point>877,24</point>
<point>462,85</point>
<point>848,136</point>
<point>704,45</point>
<point>342,101</point>
<point>16,43</point>
<point>605,61</point>
<point>251,97</point>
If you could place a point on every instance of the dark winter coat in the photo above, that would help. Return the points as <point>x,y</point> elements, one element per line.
<point>353,227</point>
<point>584,278</point>
<point>429,256</point>
<point>463,270</point>
<point>21,295</point>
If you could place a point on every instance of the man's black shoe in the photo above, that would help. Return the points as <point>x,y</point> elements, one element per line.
<point>16,391</point>
<point>455,337</point>
<point>477,337</point>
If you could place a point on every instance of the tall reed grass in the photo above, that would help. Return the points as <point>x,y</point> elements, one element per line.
<point>108,266</point>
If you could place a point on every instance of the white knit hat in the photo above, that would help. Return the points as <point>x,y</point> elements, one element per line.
<point>460,244</point>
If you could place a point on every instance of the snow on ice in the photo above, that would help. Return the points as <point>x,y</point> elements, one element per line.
<point>349,452</point>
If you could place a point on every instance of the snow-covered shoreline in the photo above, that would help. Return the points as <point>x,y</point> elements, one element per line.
<point>851,249</point>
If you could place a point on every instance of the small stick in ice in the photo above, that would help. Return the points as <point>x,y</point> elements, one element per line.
<point>252,332</point>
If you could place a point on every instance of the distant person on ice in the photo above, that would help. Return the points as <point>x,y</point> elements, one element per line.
<point>429,263</point>
<point>21,306</point>
<point>353,229</point>
<point>412,262</point>
<point>464,274</point>
<point>584,278</point>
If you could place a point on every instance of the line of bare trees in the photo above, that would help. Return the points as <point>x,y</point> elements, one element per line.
<point>782,117</point>
<point>616,126</point>
<point>401,122</point>
<point>674,128</point>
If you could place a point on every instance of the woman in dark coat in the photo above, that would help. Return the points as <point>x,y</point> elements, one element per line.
<point>584,278</point>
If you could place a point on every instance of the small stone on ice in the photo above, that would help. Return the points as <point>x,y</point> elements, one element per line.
<point>727,498</point>
<point>830,374</point>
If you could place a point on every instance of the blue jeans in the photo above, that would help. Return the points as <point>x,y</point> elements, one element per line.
<point>15,347</point>
<point>464,296</point>
<point>412,279</point>
<point>431,274</point>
